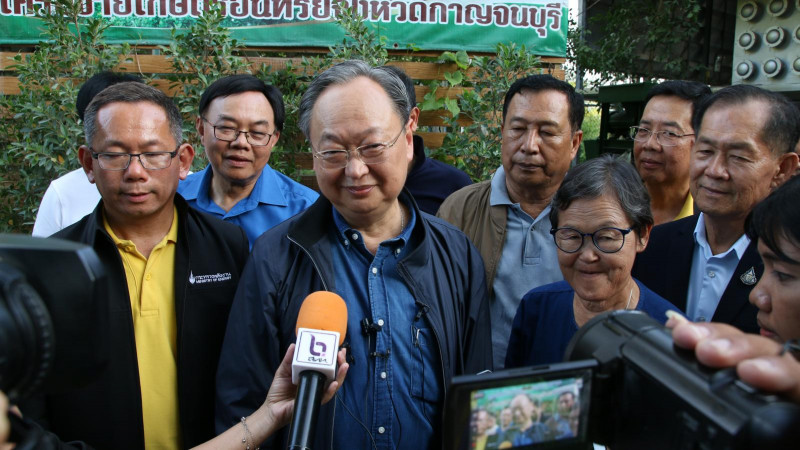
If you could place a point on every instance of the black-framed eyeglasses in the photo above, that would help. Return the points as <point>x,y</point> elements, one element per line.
<point>368,154</point>
<point>665,138</point>
<point>230,134</point>
<point>607,239</point>
<point>121,161</point>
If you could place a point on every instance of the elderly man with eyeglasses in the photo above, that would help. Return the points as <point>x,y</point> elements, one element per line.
<point>662,146</point>
<point>413,284</point>
<point>172,274</point>
<point>240,121</point>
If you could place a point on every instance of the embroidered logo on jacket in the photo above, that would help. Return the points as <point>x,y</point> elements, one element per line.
<point>212,278</point>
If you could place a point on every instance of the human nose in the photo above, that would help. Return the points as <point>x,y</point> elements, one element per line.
<point>759,297</point>
<point>652,141</point>
<point>135,168</point>
<point>241,139</point>
<point>588,250</point>
<point>355,167</point>
<point>530,140</point>
<point>716,167</point>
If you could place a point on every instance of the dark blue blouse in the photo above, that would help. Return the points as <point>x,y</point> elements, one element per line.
<point>545,322</point>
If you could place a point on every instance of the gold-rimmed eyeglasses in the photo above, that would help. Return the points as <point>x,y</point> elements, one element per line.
<point>368,154</point>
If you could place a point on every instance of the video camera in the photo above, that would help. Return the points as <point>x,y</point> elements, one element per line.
<point>631,389</point>
<point>53,316</point>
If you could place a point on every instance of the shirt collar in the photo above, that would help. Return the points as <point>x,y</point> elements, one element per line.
<point>701,238</point>
<point>266,190</point>
<point>348,235</point>
<point>130,246</point>
<point>499,194</point>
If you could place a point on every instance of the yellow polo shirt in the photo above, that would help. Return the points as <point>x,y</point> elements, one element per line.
<point>151,286</point>
<point>688,208</point>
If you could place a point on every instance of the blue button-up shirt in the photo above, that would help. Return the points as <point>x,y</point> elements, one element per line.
<point>529,260</point>
<point>393,393</point>
<point>275,198</point>
<point>710,274</point>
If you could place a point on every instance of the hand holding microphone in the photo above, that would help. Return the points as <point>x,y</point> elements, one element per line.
<point>276,411</point>
<point>320,314</point>
<point>321,329</point>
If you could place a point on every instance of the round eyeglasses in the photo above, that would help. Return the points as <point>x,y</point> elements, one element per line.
<point>607,240</point>
<point>121,161</point>
<point>665,138</point>
<point>368,154</point>
<point>230,134</point>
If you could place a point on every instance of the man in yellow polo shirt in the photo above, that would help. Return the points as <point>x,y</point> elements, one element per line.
<point>173,272</point>
<point>662,146</point>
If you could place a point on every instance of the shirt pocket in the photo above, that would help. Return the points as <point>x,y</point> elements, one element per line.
<point>426,365</point>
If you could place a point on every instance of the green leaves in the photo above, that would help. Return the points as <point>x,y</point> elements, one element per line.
<point>454,78</point>
<point>460,58</point>
<point>635,43</point>
<point>41,131</point>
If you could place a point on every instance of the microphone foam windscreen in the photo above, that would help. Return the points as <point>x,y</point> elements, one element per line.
<point>323,310</point>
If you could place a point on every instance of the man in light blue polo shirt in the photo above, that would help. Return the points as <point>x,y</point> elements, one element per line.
<point>507,217</point>
<point>240,120</point>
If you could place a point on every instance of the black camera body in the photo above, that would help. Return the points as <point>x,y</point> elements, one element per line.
<point>634,390</point>
<point>53,316</point>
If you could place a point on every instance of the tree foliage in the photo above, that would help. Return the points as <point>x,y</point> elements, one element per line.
<point>41,131</point>
<point>40,139</point>
<point>200,55</point>
<point>473,145</point>
<point>635,40</point>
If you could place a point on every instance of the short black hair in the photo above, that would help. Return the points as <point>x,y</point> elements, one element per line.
<point>97,83</point>
<point>777,217</point>
<point>236,84</point>
<point>407,81</point>
<point>781,129</point>
<point>132,92</point>
<point>691,91</point>
<point>537,83</point>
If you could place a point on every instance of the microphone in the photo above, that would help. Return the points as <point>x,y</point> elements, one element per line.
<point>321,329</point>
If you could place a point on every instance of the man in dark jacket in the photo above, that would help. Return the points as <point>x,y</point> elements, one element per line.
<point>705,264</point>
<point>172,275</point>
<point>415,281</point>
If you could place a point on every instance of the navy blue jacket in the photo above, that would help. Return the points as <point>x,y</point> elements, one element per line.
<point>288,262</point>
<point>431,181</point>
<point>665,266</point>
<point>108,412</point>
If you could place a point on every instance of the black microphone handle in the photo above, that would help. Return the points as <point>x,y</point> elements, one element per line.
<point>306,410</point>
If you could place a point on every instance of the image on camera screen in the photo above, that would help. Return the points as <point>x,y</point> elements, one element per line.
<point>521,415</point>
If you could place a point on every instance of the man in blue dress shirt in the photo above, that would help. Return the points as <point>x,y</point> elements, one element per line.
<point>414,285</point>
<point>240,121</point>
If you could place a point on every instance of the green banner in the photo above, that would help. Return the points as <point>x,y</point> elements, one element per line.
<point>426,25</point>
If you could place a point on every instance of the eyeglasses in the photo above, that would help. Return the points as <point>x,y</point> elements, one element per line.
<point>665,138</point>
<point>607,240</point>
<point>121,161</point>
<point>368,154</point>
<point>230,134</point>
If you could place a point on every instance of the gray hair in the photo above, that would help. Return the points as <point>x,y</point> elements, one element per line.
<point>605,175</point>
<point>345,72</point>
<point>132,92</point>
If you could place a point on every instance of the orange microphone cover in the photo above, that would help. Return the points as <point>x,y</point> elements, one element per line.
<point>323,310</point>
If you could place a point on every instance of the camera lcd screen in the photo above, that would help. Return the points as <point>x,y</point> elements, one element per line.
<point>539,407</point>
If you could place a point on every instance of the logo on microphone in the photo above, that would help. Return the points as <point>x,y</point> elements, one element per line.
<point>314,343</point>
<point>316,347</point>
